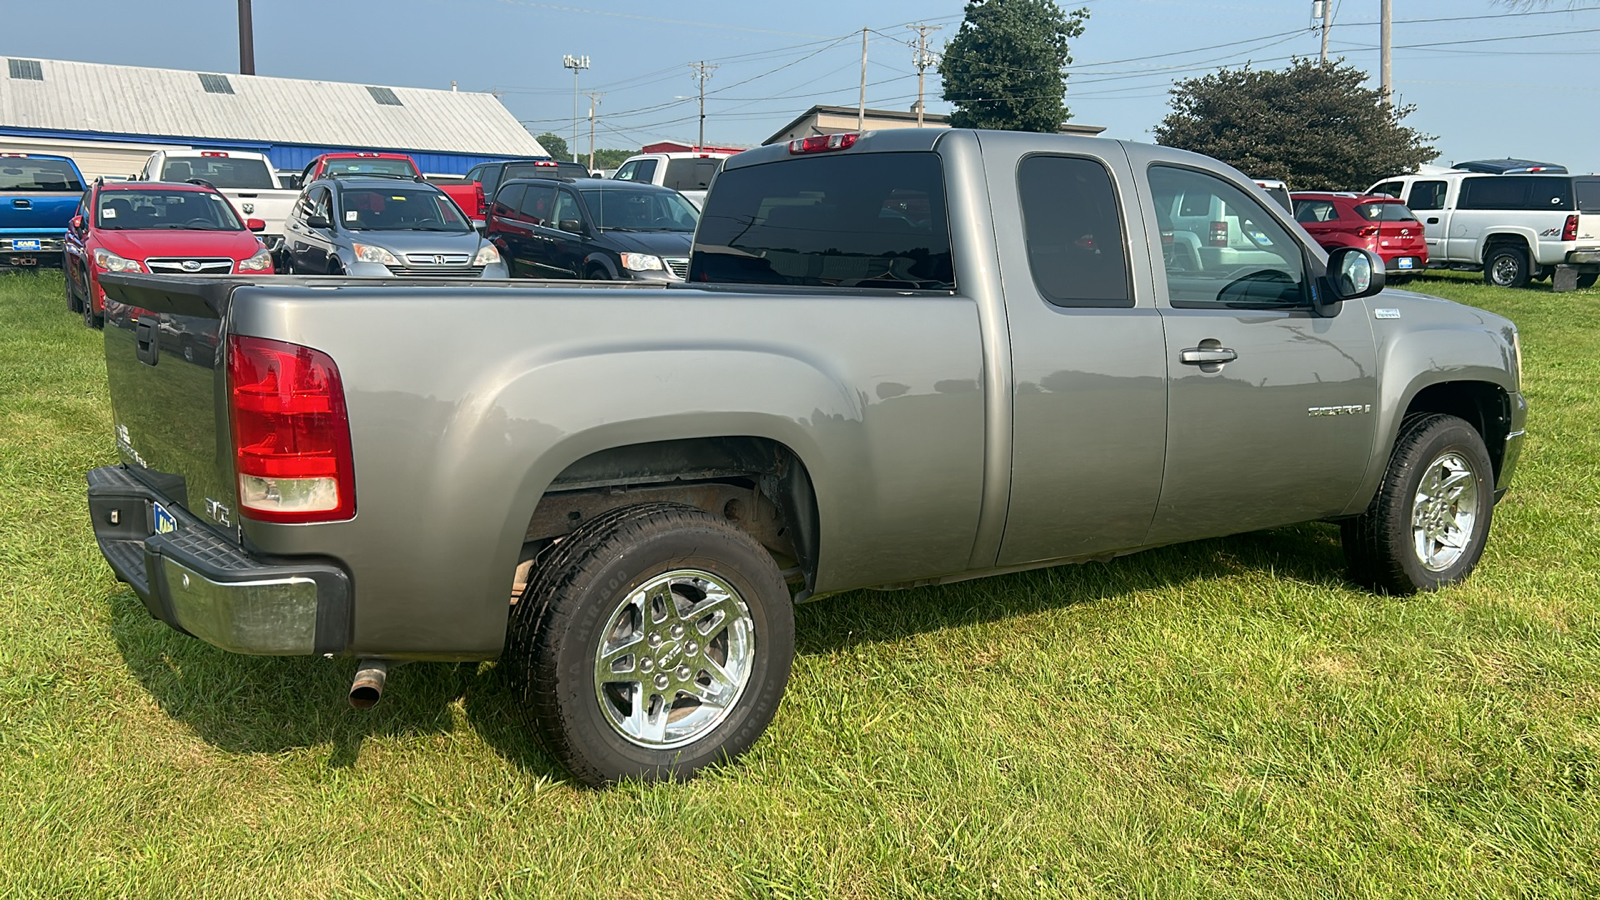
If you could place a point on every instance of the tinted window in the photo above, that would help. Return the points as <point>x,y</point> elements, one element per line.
<point>1074,232</point>
<point>34,174</point>
<point>1588,191</point>
<point>639,209</point>
<point>166,210</point>
<point>1235,256</point>
<point>507,201</point>
<point>856,220</point>
<point>646,171</point>
<point>1280,195</point>
<point>1384,212</point>
<point>548,169</point>
<point>1313,211</point>
<point>369,166</point>
<point>1392,188</point>
<point>691,174</point>
<point>1427,195</point>
<point>536,203</point>
<point>1516,192</point>
<point>221,172</point>
<point>489,177</point>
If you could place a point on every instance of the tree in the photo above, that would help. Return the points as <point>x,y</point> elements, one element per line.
<point>1315,125</point>
<point>1003,69</point>
<point>611,159</point>
<point>555,145</point>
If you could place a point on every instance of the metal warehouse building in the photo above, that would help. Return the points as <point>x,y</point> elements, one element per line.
<point>110,118</point>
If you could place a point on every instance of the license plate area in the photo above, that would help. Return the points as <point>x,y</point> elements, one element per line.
<point>1405,262</point>
<point>161,521</point>
<point>25,245</point>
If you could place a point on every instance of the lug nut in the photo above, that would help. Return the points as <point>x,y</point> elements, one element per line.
<point>655,640</point>
<point>647,665</point>
<point>662,681</point>
<point>683,673</point>
<point>677,631</point>
<point>691,648</point>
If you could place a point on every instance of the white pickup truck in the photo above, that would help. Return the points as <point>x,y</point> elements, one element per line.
<point>246,179</point>
<point>688,173</point>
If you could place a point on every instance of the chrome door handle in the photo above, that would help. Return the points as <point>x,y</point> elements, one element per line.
<point>1195,356</point>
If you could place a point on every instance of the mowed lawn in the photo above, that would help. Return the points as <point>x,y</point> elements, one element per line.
<point>1227,718</point>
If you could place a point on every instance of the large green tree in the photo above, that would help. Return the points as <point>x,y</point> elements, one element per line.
<point>1315,125</point>
<point>555,145</point>
<point>1004,67</point>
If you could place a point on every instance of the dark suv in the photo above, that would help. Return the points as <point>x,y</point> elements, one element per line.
<point>592,228</point>
<point>491,175</point>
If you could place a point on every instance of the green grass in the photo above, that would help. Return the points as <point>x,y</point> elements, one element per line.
<point>1227,718</point>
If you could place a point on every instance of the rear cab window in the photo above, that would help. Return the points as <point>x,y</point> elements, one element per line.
<point>1075,232</point>
<point>1427,195</point>
<point>860,220</point>
<point>34,173</point>
<point>221,172</point>
<point>691,174</point>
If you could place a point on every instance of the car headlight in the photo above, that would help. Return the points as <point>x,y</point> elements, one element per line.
<point>110,262</point>
<point>261,262</point>
<point>369,253</point>
<point>487,256</point>
<point>642,262</point>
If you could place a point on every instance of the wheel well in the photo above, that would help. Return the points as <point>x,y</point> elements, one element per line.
<point>1483,405</point>
<point>756,483</point>
<point>1496,241</point>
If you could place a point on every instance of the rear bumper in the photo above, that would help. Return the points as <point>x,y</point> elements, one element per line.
<point>1583,258</point>
<point>207,586</point>
<point>47,255</point>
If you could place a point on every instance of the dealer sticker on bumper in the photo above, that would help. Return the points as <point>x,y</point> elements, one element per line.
<point>24,245</point>
<point>165,521</point>
<point>1405,262</point>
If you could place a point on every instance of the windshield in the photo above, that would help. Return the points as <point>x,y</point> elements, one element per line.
<point>223,172</point>
<point>186,210</point>
<point>369,166</point>
<point>33,174</point>
<point>389,209</point>
<point>631,209</point>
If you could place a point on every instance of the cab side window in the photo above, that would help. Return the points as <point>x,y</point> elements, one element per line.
<point>1426,195</point>
<point>507,201</point>
<point>1392,188</point>
<point>1237,255</point>
<point>1074,230</point>
<point>627,171</point>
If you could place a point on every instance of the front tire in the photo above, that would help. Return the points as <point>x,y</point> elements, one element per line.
<point>1428,523</point>
<point>1506,267</point>
<point>92,319</point>
<point>652,642</point>
<point>74,305</point>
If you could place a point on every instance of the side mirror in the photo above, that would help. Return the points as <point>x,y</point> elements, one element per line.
<point>256,225</point>
<point>318,222</point>
<point>571,226</point>
<point>76,224</point>
<point>1353,273</point>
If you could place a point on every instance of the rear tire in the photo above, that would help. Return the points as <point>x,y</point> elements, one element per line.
<point>650,643</point>
<point>1506,267</point>
<point>1587,281</point>
<point>1428,523</point>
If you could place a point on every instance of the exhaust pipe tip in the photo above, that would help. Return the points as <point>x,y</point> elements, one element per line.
<point>367,687</point>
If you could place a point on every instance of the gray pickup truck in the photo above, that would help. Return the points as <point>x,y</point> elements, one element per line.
<point>901,358</point>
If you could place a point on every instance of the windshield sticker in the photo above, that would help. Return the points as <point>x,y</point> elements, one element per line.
<point>350,215</point>
<point>108,213</point>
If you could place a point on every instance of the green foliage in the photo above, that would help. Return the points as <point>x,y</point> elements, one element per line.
<point>1315,125</point>
<point>555,145</point>
<point>610,159</point>
<point>1003,69</point>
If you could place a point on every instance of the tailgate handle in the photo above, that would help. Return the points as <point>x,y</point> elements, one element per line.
<point>147,342</point>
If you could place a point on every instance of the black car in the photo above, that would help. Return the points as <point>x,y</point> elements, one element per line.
<point>492,175</point>
<point>592,228</point>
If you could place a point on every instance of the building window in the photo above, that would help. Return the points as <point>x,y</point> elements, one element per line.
<point>384,96</point>
<point>215,84</point>
<point>26,69</point>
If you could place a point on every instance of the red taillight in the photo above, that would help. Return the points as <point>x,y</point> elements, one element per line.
<point>483,202</point>
<point>291,435</point>
<point>547,163</point>
<point>1569,231</point>
<point>822,143</point>
<point>1219,234</point>
<point>214,153</point>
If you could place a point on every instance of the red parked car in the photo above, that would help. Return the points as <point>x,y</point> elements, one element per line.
<point>155,227</point>
<point>1375,222</point>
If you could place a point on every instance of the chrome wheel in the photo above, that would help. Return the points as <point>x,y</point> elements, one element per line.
<point>1444,511</point>
<point>674,658</point>
<point>1505,271</point>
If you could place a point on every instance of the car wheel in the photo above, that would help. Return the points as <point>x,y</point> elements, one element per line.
<point>1587,281</point>
<point>652,642</point>
<point>1506,267</point>
<point>335,267</point>
<point>598,273</point>
<point>90,318</point>
<point>1427,526</point>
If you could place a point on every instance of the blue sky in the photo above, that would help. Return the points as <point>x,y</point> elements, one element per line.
<point>1490,86</point>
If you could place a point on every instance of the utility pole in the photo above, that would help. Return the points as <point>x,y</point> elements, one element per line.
<point>861,110</point>
<point>1326,14</point>
<point>922,59</point>
<point>576,64</point>
<point>1385,28</point>
<point>702,73</point>
<point>247,40</point>
<point>594,100</point>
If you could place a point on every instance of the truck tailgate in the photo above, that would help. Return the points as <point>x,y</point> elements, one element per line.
<point>168,390</point>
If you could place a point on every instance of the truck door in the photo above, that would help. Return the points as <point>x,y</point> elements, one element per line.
<point>1088,376</point>
<point>1427,200</point>
<point>1269,409</point>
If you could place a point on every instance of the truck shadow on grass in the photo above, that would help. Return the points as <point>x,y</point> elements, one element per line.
<point>246,704</point>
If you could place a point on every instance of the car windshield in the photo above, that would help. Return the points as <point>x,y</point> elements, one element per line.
<point>631,209</point>
<point>392,209</point>
<point>157,209</point>
<point>1384,212</point>
<point>34,174</point>
<point>370,166</point>
<point>224,172</point>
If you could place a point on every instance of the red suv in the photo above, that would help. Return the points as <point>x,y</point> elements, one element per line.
<point>155,227</point>
<point>1375,222</point>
